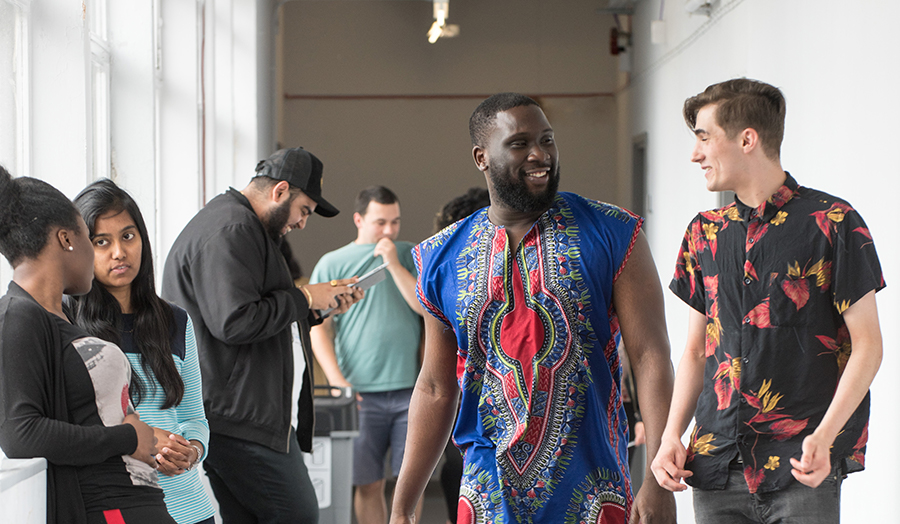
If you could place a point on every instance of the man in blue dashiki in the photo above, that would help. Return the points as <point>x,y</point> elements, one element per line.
<point>527,300</point>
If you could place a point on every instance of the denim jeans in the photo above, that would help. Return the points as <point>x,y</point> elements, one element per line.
<point>795,504</point>
<point>254,484</point>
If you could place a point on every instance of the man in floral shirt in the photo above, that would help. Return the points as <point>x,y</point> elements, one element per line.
<point>779,283</point>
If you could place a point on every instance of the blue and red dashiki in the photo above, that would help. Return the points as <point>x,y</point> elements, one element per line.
<point>541,422</point>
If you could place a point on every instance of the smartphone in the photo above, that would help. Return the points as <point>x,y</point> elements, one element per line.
<point>365,282</point>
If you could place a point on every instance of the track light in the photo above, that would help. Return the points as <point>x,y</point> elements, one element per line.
<point>440,27</point>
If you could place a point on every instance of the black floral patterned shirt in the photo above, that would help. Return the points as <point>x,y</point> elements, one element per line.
<point>773,283</point>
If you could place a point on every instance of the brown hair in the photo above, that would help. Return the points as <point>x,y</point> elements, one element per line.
<point>379,194</point>
<point>742,103</point>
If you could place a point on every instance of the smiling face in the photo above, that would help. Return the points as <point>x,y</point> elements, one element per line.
<point>288,213</point>
<point>720,157</point>
<point>117,252</point>
<point>380,221</point>
<point>521,160</point>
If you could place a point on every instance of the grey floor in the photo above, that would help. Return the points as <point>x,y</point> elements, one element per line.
<point>434,509</point>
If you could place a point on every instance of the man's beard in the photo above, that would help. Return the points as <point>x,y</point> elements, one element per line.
<point>276,219</point>
<point>512,191</point>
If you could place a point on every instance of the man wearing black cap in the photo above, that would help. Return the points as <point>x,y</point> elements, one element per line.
<point>226,270</point>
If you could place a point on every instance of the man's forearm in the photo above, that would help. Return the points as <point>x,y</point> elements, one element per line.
<point>863,364</point>
<point>688,385</point>
<point>322,339</point>
<point>431,416</point>
<point>654,380</point>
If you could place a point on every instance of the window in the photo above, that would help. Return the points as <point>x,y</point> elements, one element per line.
<point>14,143</point>
<point>100,134</point>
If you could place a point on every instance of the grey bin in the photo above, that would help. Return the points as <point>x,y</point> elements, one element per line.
<point>330,464</point>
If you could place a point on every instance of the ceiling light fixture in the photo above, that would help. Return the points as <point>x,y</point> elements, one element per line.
<point>440,27</point>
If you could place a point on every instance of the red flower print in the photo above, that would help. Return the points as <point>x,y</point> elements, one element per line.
<point>754,233</point>
<point>754,478</point>
<point>788,428</point>
<point>759,316</point>
<point>797,291</point>
<point>749,270</point>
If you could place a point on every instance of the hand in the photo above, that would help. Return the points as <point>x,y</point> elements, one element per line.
<point>387,250</point>
<point>668,465</point>
<point>175,453</point>
<point>324,294</point>
<point>653,505</point>
<point>639,436</point>
<point>146,446</point>
<point>815,463</point>
<point>345,301</point>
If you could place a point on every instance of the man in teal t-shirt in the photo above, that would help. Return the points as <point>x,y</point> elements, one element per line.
<point>374,347</point>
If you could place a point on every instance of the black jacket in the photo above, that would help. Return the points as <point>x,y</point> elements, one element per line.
<point>231,277</point>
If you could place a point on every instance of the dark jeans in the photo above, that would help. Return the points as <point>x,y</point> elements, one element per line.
<point>254,484</point>
<point>796,504</point>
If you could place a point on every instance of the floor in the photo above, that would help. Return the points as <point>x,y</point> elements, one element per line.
<point>434,509</point>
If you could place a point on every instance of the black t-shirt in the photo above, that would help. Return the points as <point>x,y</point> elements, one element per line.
<point>63,396</point>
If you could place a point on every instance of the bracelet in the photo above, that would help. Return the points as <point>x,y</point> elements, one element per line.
<point>199,455</point>
<point>308,295</point>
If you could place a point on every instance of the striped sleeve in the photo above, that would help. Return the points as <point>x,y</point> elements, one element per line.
<point>191,417</point>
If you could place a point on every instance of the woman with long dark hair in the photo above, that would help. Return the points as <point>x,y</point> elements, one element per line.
<point>157,337</point>
<point>63,392</point>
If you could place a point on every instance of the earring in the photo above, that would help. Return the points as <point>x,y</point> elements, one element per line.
<point>71,248</point>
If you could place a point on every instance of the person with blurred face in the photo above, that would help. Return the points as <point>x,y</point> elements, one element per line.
<point>527,300</point>
<point>63,392</point>
<point>156,336</point>
<point>226,269</point>
<point>374,347</point>
<point>783,335</point>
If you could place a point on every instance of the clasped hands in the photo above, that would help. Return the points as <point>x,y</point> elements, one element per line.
<point>168,453</point>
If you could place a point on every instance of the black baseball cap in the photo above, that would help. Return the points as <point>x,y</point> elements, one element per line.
<point>301,169</point>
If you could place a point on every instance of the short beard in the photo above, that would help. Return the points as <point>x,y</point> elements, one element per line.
<point>513,193</point>
<point>276,219</point>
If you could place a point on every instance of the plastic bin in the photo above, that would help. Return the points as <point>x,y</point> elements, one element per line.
<point>330,464</point>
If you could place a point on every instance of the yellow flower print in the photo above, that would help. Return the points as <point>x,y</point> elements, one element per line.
<point>769,398</point>
<point>794,270</point>
<point>733,214</point>
<point>710,231</point>
<point>779,218</point>
<point>835,215</point>
<point>703,445</point>
<point>736,372</point>
<point>842,306</point>
<point>773,463</point>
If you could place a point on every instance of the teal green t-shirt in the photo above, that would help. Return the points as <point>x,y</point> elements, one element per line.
<point>377,339</point>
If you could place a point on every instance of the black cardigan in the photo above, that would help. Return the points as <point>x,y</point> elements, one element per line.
<point>34,412</point>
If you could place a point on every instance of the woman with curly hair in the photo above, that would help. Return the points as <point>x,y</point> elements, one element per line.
<point>63,392</point>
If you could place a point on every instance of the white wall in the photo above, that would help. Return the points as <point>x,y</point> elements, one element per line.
<point>836,63</point>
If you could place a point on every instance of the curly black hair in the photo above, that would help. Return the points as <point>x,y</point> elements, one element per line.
<point>29,209</point>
